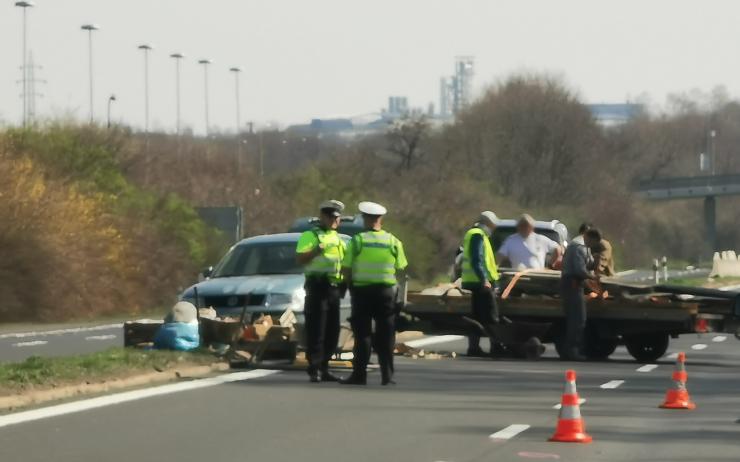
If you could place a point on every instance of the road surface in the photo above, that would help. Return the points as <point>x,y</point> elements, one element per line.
<point>441,410</point>
<point>62,340</point>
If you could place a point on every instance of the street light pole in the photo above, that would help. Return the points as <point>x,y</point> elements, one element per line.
<point>90,28</point>
<point>237,70</point>
<point>111,98</point>
<point>177,57</point>
<point>146,49</point>
<point>205,63</point>
<point>25,6</point>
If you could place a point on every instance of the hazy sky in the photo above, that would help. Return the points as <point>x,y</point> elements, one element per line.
<point>321,58</point>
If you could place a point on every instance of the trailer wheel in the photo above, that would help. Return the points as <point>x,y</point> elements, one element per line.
<point>597,344</point>
<point>647,347</point>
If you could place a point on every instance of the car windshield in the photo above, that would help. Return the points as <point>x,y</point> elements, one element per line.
<point>255,259</point>
<point>501,233</point>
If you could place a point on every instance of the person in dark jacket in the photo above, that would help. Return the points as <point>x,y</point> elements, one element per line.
<point>574,273</point>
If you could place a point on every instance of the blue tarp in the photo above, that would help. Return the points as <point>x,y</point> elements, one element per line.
<point>177,336</point>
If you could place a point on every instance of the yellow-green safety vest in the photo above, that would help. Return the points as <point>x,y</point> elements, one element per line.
<point>468,275</point>
<point>375,256</point>
<point>329,262</point>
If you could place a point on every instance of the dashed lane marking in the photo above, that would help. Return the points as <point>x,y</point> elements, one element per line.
<point>30,344</point>
<point>719,338</point>
<point>538,455</point>
<point>433,340</point>
<point>672,356</point>
<point>647,368</point>
<point>612,384</point>
<point>509,432</point>
<point>699,346</point>
<point>73,330</point>
<point>100,337</point>
<point>118,398</point>
<point>580,401</point>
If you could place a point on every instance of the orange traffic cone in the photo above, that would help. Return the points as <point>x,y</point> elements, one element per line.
<point>678,396</point>
<point>571,428</point>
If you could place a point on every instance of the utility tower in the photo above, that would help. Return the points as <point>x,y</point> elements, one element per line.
<point>29,93</point>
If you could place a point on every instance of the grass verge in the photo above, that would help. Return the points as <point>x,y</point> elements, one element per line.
<point>710,283</point>
<point>39,373</point>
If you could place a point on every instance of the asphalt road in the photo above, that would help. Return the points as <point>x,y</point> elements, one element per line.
<point>63,340</point>
<point>441,410</point>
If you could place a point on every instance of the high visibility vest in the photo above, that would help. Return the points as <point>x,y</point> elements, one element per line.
<point>489,264</point>
<point>329,262</point>
<point>375,256</point>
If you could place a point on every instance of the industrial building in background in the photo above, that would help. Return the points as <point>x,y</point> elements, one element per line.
<point>456,92</point>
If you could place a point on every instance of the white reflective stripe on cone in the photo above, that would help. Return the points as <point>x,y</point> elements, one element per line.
<point>570,412</point>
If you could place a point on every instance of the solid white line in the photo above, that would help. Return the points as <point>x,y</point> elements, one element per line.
<point>509,432</point>
<point>698,346</point>
<point>72,330</point>
<point>626,273</point>
<point>433,340</point>
<point>719,338</point>
<point>580,401</point>
<point>117,398</point>
<point>612,384</point>
<point>647,368</point>
<point>100,337</point>
<point>34,343</point>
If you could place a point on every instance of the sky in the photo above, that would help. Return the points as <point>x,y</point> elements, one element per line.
<point>304,59</point>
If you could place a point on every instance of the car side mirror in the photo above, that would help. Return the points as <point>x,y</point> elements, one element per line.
<point>206,273</point>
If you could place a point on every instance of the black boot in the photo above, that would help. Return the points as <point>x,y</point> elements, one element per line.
<point>354,379</point>
<point>327,376</point>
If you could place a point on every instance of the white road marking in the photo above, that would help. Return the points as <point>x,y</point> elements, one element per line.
<point>647,368</point>
<point>118,398</point>
<point>433,340</point>
<point>73,330</point>
<point>612,384</point>
<point>100,337</point>
<point>580,401</point>
<point>626,273</point>
<point>719,338</point>
<point>698,346</point>
<point>672,356</point>
<point>27,344</point>
<point>509,432</point>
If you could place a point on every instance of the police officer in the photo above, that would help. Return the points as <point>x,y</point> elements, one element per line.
<point>574,273</point>
<point>479,275</point>
<point>321,250</point>
<point>373,258</point>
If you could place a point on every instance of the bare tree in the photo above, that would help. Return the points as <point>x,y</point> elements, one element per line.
<point>404,137</point>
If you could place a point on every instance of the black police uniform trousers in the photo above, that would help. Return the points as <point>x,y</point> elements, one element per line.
<point>321,310</point>
<point>373,303</point>
<point>485,311</point>
<point>574,306</point>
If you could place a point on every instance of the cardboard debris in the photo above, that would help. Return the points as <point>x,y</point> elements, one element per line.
<point>415,353</point>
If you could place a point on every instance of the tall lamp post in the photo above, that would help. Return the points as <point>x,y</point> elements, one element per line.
<point>237,70</point>
<point>205,63</point>
<point>25,6</point>
<point>111,98</point>
<point>146,48</point>
<point>177,57</point>
<point>90,28</point>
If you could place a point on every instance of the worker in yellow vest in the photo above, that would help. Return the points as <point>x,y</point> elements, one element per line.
<point>374,260</point>
<point>479,276</point>
<point>321,251</point>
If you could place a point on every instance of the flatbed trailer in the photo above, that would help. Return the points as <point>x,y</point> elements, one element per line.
<point>642,317</point>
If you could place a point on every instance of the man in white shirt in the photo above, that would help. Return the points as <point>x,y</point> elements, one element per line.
<point>527,249</point>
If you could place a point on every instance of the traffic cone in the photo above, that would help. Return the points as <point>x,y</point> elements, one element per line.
<point>678,396</point>
<point>571,428</point>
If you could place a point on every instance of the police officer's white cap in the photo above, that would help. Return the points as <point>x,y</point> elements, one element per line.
<point>489,217</point>
<point>371,208</point>
<point>332,205</point>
